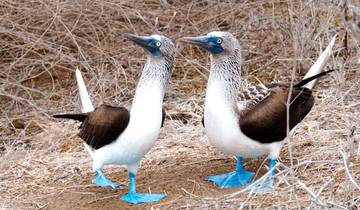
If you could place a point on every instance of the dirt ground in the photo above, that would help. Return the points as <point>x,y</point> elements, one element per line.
<point>180,183</point>
<point>180,174</point>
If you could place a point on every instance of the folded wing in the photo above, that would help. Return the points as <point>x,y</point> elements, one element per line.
<point>104,125</point>
<point>266,121</point>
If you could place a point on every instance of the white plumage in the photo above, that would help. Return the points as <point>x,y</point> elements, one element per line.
<point>249,120</point>
<point>113,135</point>
<point>141,132</point>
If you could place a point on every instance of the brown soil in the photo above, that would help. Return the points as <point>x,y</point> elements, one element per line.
<point>187,180</point>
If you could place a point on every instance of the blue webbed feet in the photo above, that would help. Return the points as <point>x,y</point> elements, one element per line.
<point>263,186</point>
<point>232,179</point>
<point>136,198</point>
<point>266,184</point>
<point>237,178</point>
<point>101,180</point>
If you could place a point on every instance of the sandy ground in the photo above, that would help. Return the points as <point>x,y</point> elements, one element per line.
<point>180,183</point>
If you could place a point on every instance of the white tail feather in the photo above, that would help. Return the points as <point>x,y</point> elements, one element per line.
<point>86,105</point>
<point>320,63</point>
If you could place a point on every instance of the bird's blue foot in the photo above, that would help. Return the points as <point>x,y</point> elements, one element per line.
<point>237,178</point>
<point>265,185</point>
<point>232,179</point>
<point>101,180</point>
<point>136,198</point>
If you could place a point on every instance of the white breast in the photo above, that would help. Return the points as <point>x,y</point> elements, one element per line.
<point>222,127</point>
<point>141,133</point>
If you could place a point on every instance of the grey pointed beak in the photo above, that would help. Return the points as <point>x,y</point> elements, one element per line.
<point>201,41</point>
<point>143,41</point>
<point>146,42</point>
<point>209,43</point>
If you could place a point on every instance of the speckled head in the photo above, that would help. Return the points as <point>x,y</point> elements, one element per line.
<point>216,42</point>
<point>225,59</point>
<point>161,57</point>
<point>157,46</point>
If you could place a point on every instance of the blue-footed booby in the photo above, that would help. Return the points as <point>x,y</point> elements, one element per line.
<point>113,135</point>
<point>247,120</point>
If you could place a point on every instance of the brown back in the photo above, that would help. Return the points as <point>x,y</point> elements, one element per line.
<point>266,122</point>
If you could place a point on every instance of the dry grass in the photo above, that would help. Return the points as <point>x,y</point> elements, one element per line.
<point>43,41</point>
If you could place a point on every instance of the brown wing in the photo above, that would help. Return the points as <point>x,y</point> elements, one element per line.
<point>104,125</point>
<point>250,95</point>
<point>266,122</point>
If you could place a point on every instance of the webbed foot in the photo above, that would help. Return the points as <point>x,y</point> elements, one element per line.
<point>136,198</point>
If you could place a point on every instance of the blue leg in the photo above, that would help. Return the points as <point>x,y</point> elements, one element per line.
<point>135,198</point>
<point>237,178</point>
<point>265,185</point>
<point>102,181</point>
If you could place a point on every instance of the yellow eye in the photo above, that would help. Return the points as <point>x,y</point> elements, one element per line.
<point>158,44</point>
<point>219,41</point>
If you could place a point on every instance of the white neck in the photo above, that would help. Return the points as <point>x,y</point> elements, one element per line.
<point>150,90</point>
<point>225,73</point>
<point>148,95</point>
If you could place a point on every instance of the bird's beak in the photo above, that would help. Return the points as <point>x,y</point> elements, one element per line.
<point>143,41</point>
<point>201,41</point>
<point>146,42</point>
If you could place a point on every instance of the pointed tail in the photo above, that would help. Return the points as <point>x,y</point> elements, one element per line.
<point>78,117</point>
<point>320,63</point>
<point>86,105</point>
<point>306,81</point>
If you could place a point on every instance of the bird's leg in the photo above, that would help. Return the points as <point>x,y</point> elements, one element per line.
<point>102,181</point>
<point>237,178</point>
<point>135,198</point>
<point>267,183</point>
<point>272,163</point>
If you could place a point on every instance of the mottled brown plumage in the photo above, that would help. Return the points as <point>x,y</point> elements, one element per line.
<point>262,116</point>
<point>266,122</point>
<point>262,108</point>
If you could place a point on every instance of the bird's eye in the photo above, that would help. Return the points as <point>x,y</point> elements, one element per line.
<point>219,41</point>
<point>158,44</point>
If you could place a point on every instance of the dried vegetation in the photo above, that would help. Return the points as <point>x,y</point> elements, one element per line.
<point>43,164</point>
